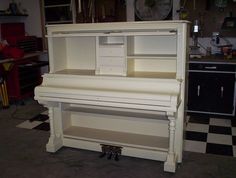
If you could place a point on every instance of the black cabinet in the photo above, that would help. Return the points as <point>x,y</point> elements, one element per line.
<point>211,88</point>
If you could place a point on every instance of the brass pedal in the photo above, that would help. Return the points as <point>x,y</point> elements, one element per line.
<point>111,152</point>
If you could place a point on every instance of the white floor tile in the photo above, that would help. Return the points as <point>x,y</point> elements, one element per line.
<point>220,122</point>
<point>45,112</point>
<point>234,151</point>
<point>234,131</point>
<point>197,127</point>
<point>195,146</point>
<point>29,125</point>
<point>219,139</point>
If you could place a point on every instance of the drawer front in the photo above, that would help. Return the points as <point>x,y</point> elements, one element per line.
<point>212,67</point>
<point>111,70</point>
<point>111,51</point>
<point>111,61</point>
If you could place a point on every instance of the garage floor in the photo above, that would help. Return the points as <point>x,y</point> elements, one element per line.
<point>22,154</point>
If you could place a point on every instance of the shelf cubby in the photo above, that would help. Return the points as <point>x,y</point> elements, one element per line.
<point>117,138</point>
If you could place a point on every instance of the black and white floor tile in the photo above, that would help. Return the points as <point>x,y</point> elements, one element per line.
<point>211,135</point>
<point>203,134</point>
<point>39,122</point>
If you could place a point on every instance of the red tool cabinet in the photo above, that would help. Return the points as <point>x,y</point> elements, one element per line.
<point>24,75</point>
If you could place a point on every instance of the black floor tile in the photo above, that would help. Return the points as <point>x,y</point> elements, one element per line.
<point>234,140</point>
<point>199,119</point>
<point>233,122</point>
<point>220,130</point>
<point>40,117</point>
<point>44,126</point>
<point>219,149</point>
<point>197,136</point>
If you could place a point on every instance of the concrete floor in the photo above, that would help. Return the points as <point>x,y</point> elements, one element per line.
<point>23,155</point>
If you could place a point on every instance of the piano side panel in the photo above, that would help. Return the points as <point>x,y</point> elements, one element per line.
<point>57,54</point>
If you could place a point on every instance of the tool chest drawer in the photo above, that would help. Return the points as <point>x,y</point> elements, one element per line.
<point>212,67</point>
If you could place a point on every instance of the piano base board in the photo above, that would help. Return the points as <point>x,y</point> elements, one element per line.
<point>81,129</point>
<point>126,151</point>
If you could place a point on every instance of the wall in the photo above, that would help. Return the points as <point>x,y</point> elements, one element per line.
<point>211,17</point>
<point>4,4</point>
<point>32,22</point>
<point>206,42</point>
<point>130,16</point>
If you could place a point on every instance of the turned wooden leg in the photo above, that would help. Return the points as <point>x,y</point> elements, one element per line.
<point>55,140</point>
<point>170,163</point>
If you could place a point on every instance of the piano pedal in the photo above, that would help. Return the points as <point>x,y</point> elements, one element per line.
<point>110,155</point>
<point>105,150</point>
<point>111,152</point>
<point>117,153</point>
<point>117,157</point>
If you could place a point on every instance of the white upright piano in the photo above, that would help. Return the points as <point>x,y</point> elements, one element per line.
<point>118,85</point>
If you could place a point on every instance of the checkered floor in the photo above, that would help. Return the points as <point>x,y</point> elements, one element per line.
<point>40,122</point>
<point>203,134</point>
<point>211,135</point>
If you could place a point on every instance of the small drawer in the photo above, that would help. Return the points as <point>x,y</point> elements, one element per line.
<point>111,70</point>
<point>111,61</point>
<point>111,50</point>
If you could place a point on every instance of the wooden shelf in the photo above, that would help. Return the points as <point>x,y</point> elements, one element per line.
<point>14,15</point>
<point>59,22</point>
<point>152,56</point>
<point>164,75</point>
<point>117,138</point>
<point>138,74</point>
<point>27,55</point>
<point>76,72</point>
<point>58,5</point>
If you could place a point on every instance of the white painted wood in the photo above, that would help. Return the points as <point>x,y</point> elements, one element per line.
<point>119,84</point>
<point>154,44</point>
<point>117,138</point>
<point>170,163</point>
<point>111,50</point>
<point>111,61</point>
<point>127,151</point>
<point>80,53</point>
<point>154,65</point>
<point>132,124</point>
<point>55,139</point>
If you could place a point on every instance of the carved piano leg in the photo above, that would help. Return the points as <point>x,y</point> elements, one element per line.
<point>170,163</point>
<point>55,140</point>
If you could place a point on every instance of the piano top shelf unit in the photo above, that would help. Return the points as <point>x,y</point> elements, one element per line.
<point>122,49</point>
<point>119,84</point>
